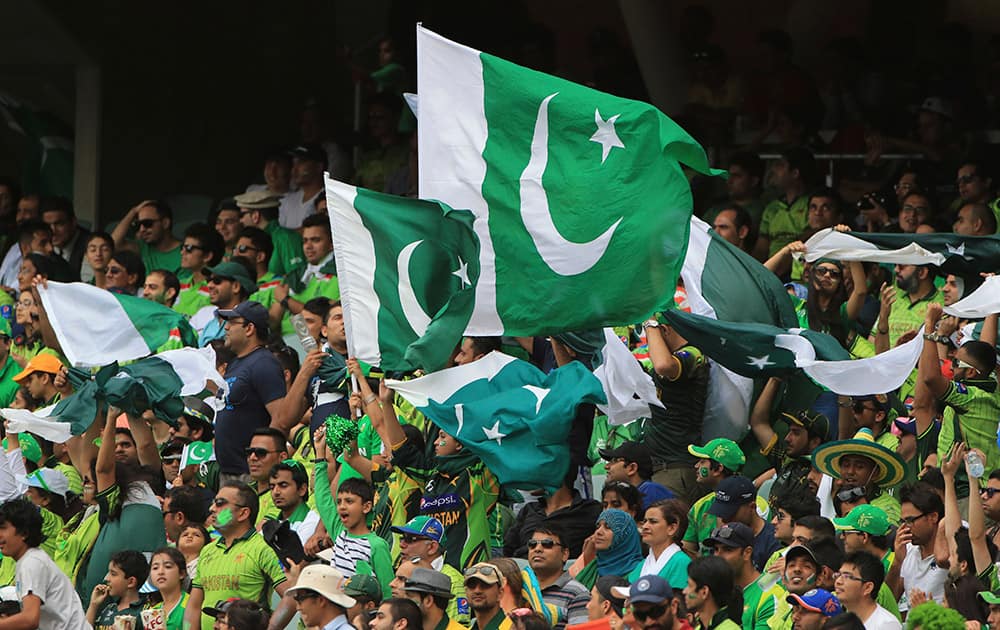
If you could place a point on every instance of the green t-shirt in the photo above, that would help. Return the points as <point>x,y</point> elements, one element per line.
<point>675,571</point>
<point>106,616</point>
<point>758,607</point>
<point>52,525</point>
<point>977,406</point>
<point>889,504</point>
<point>192,297</point>
<point>287,249</point>
<point>8,388</point>
<point>701,523</point>
<point>175,616</point>
<point>249,569</point>
<point>905,315</point>
<point>783,223</point>
<point>153,258</point>
<point>265,289</point>
<point>324,283</point>
<point>605,436</point>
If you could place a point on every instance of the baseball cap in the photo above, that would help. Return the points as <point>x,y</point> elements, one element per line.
<point>234,271</point>
<point>866,518</point>
<point>484,572</point>
<point>43,362</point>
<point>734,535</point>
<point>309,151</point>
<point>257,200</point>
<point>363,586</point>
<point>721,450</point>
<point>325,580</point>
<point>429,581</point>
<point>48,479</point>
<point>651,589</point>
<point>815,424</point>
<point>220,607</point>
<point>817,600</point>
<point>631,452</point>
<point>423,526</point>
<point>730,494</point>
<point>614,589</point>
<point>938,105</point>
<point>253,312</point>
<point>200,412</point>
<point>29,446</point>
<point>990,597</point>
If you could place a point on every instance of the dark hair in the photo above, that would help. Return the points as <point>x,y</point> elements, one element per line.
<point>248,498</point>
<point>211,241</point>
<point>201,529</point>
<point>673,511</point>
<point>358,487</point>
<point>829,193</point>
<point>869,567</point>
<point>27,229</point>
<point>552,529</point>
<point>104,236</point>
<point>749,162</point>
<point>56,204</point>
<point>297,471</point>
<point>132,263</point>
<point>533,621</point>
<point>170,281</point>
<point>280,441</point>
<point>933,478</point>
<point>188,500</point>
<point>287,357</point>
<point>244,614</point>
<point>177,558</point>
<point>26,519</point>
<point>827,553</point>
<point>715,573</point>
<point>259,239</point>
<point>742,219</point>
<point>222,352</point>
<point>821,527</point>
<point>604,585</point>
<point>627,492</point>
<point>801,159</point>
<point>797,499</point>
<point>320,221</point>
<point>11,184</point>
<point>829,320</point>
<point>319,305</point>
<point>133,564</point>
<point>415,437</point>
<point>485,345</point>
<point>777,39</point>
<point>844,621</point>
<point>163,209</point>
<point>983,354</point>
<point>923,497</point>
<point>402,608</point>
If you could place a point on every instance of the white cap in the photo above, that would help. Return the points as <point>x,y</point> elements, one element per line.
<point>48,479</point>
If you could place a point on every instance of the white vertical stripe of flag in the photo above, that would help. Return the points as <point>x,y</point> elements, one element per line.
<point>982,302</point>
<point>354,251</point>
<point>194,367</point>
<point>621,376</point>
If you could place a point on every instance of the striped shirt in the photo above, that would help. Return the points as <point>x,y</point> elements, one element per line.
<point>349,550</point>
<point>569,595</point>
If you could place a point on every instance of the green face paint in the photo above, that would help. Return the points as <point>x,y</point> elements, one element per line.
<point>224,517</point>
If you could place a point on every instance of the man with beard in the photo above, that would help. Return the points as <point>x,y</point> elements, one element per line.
<point>654,604</point>
<point>483,584</point>
<point>734,544</point>
<point>903,308</point>
<point>811,609</point>
<point>863,462</point>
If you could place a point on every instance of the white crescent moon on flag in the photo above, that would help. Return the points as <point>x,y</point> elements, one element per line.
<point>564,257</point>
<point>414,313</point>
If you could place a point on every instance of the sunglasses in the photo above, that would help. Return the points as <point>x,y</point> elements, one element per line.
<point>827,271</point>
<point>989,492</point>
<point>242,249</point>
<point>188,247</point>
<point>725,532</point>
<point>409,539</point>
<point>860,407</point>
<point>487,570</point>
<point>546,543</point>
<point>256,451</point>
<point>851,494</point>
<point>144,223</point>
<point>113,271</point>
<point>219,502</point>
<point>962,364</point>
<point>301,596</point>
<point>654,612</point>
<point>218,280</point>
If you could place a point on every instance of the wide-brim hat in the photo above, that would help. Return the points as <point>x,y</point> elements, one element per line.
<point>889,467</point>
<point>325,580</point>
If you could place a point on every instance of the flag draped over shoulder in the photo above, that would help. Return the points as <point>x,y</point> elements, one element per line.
<point>760,350</point>
<point>953,253</point>
<point>509,413</point>
<point>155,383</point>
<point>407,270</point>
<point>580,203</point>
<point>96,327</point>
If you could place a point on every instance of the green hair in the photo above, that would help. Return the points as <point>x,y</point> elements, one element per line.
<point>933,616</point>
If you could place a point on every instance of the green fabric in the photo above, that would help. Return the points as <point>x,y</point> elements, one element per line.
<point>326,504</point>
<point>886,600</point>
<point>52,525</point>
<point>890,505</point>
<point>379,560</point>
<point>175,619</point>
<point>605,436</point>
<point>783,223</point>
<point>192,298</point>
<point>8,388</point>
<point>265,289</point>
<point>287,250</point>
<point>588,575</point>
<point>72,475</point>
<point>701,523</point>
<point>248,569</point>
<point>74,549</point>
<point>757,608</point>
<point>7,571</point>
<point>155,259</point>
<point>674,571</point>
<point>106,615</point>
<point>325,284</point>
<point>977,406</point>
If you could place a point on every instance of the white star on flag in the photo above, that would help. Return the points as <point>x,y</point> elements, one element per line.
<point>957,251</point>
<point>761,362</point>
<point>493,433</point>
<point>462,273</point>
<point>606,135</point>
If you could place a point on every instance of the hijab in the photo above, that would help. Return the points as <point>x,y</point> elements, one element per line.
<point>625,550</point>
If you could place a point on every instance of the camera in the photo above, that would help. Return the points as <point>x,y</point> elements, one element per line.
<point>865,203</point>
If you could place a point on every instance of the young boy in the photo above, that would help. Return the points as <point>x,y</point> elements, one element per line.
<point>356,542</point>
<point>48,599</point>
<point>119,595</point>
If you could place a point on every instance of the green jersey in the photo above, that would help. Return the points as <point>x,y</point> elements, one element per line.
<point>192,297</point>
<point>976,404</point>
<point>783,222</point>
<point>906,315</point>
<point>287,249</point>
<point>248,569</point>
<point>701,523</point>
<point>173,618</point>
<point>605,436</point>
<point>758,606</point>
<point>303,288</point>
<point>153,258</point>
<point>8,388</point>
<point>265,289</point>
<point>106,616</point>
<point>52,525</point>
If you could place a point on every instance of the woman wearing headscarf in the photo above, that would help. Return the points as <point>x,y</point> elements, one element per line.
<point>613,549</point>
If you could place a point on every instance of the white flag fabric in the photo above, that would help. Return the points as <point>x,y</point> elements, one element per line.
<point>37,422</point>
<point>630,390</point>
<point>829,243</point>
<point>874,375</point>
<point>982,302</point>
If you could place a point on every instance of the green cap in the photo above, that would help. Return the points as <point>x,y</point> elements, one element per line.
<point>29,447</point>
<point>234,271</point>
<point>990,597</point>
<point>724,451</point>
<point>363,586</point>
<point>4,327</point>
<point>869,519</point>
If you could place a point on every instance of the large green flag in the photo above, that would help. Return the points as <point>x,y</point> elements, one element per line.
<point>408,270</point>
<point>512,415</point>
<point>580,200</point>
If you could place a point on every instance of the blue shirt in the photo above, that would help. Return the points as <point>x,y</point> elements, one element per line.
<point>214,329</point>
<point>339,623</point>
<point>652,492</point>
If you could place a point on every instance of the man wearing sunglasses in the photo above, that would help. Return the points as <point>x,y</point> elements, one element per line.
<point>547,556</point>
<point>654,604</point>
<point>202,248</point>
<point>421,543</point>
<point>483,583</point>
<point>151,221</point>
<point>267,449</point>
<point>259,209</point>
<point>256,246</point>
<point>320,598</point>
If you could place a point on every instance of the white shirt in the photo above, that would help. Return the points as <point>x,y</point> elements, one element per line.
<point>294,209</point>
<point>313,270</point>
<point>882,619</point>
<point>652,565</point>
<point>37,574</point>
<point>922,573</point>
<point>10,266</point>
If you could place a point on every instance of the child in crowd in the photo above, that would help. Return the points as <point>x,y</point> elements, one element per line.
<point>119,595</point>
<point>168,572</point>
<point>356,543</point>
<point>193,537</point>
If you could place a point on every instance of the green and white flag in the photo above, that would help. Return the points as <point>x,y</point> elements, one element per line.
<point>760,350</point>
<point>509,413</point>
<point>48,167</point>
<point>96,327</point>
<point>982,302</point>
<point>197,453</point>
<point>953,253</point>
<point>408,270</point>
<point>580,201</point>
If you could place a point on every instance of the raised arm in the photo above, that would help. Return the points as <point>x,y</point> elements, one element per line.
<point>977,522</point>
<point>386,424</point>
<point>291,408</point>
<point>105,465</point>
<point>760,417</point>
<point>952,515</point>
<point>929,368</point>
<point>145,443</point>
<point>782,259</point>
<point>120,234</point>
<point>856,301</point>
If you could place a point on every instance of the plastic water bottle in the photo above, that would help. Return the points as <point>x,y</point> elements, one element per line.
<point>974,464</point>
<point>302,332</point>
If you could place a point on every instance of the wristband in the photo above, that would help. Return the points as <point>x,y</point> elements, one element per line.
<point>370,398</point>
<point>284,302</point>
<point>936,338</point>
<point>882,332</point>
<point>319,460</point>
<point>650,323</point>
